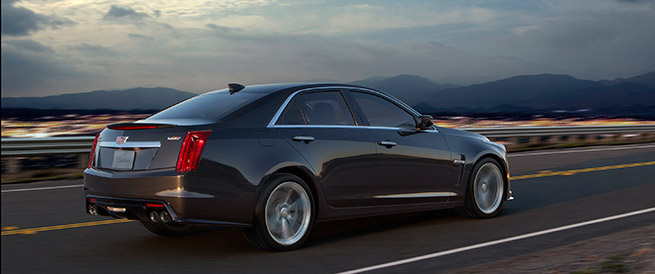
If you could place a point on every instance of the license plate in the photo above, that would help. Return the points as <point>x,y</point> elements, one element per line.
<point>123,159</point>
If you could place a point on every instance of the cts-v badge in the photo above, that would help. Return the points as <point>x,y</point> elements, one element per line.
<point>121,139</point>
<point>174,138</point>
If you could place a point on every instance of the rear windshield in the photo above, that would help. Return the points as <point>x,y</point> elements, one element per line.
<point>208,106</point>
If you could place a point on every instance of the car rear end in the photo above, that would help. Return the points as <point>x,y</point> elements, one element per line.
<point>146,170</point>
<point>136,169</point>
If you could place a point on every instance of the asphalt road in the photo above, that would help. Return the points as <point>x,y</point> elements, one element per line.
<point>552,189</point>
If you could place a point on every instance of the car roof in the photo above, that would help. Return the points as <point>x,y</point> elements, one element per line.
<point>278,87</point>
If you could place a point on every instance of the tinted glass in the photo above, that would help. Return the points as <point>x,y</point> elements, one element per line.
<point>325,108</point>
<point>291,115</point>
<point>208,106</point>
<point>380,112</point>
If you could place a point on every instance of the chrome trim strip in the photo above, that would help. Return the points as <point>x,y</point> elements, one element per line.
<point>317,126</point>
<point>115,209</point>
<point>387,143</point>
<point>303,138</point>
<point>286,102</point>
<point>181,193</point>
<point>459,162</point>
<point>418,195</point>
<point>129,144</point>
<point>284,105</point>
<point>349,126</point>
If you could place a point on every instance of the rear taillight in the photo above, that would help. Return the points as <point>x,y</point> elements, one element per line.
<point>154,205</point>
<point>93,150</point>
<point>191,150</point>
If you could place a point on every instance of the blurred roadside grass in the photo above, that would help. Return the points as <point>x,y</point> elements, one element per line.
<point>613,264</point>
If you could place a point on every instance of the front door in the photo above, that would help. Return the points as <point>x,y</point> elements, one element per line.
<point>415,165</point>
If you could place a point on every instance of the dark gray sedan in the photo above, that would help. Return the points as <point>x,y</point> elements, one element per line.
<point>275,159</point>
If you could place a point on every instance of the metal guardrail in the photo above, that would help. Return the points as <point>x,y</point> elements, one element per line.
<point>557,131</point>
<point>23,147</point>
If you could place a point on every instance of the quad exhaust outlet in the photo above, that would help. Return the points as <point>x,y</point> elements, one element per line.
<point>163,217</point>
<point>154,217</point>
<point>93,210</point>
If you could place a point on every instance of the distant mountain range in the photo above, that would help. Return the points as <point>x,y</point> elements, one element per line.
<point>543,93</point>
<point>129,99</point>
<point>526,94</point>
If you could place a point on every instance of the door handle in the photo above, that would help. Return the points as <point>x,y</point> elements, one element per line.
<point>387,143</point>
<point>301,138</point>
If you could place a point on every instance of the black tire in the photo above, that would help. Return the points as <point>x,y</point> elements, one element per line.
<point>169,229</point>
<point>300,212</point>
<point>472,203</point>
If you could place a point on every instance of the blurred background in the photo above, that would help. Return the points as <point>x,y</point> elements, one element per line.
<point>69,68</point>
<point>530,74</point>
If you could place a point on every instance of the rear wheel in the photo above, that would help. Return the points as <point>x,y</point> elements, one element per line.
<point>168,229</point>
<point>284,216</point>
<point>485,191</point>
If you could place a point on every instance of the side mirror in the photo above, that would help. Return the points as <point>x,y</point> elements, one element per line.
<point>424,122</point>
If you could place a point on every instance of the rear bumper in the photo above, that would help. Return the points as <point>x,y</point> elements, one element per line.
<point>180,196</point>
<point>138,209</point>
<point>122,208</point>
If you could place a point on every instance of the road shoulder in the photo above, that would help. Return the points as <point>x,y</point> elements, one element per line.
<point>626,251</point>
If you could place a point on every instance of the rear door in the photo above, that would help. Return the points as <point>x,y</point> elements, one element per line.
<point>414,166</point>
<point>321,127</point>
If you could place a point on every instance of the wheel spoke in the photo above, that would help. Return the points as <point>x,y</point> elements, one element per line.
<point>274,225</point>
<point>484,200</point>
<point>288,196</point>
<point>286,229</point>
<point>295,205</point>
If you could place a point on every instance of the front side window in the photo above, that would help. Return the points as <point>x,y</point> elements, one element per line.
<point>317,108</point>
<point>380,112</point>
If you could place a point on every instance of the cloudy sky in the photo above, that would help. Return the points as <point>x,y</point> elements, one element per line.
<point>64,46</point>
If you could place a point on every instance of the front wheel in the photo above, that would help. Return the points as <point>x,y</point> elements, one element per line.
<point>284,216</point>
<point>485,191</point>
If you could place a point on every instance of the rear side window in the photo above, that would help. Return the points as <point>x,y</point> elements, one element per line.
<point>208,106</point>
<point>317,108</point>
<point>292,115</point>
<point>382,113</point>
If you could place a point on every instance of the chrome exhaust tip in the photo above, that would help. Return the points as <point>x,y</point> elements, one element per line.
<point>154,217</point>
<point>93,210</point>
<point>165,217</point>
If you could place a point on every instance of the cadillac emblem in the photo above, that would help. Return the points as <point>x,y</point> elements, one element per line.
<point>121,139</point>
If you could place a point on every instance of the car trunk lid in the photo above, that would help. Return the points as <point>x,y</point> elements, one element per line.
<point>139,146</point>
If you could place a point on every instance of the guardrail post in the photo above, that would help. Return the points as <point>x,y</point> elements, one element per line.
<point>82,160</point>
<point>12,165</point>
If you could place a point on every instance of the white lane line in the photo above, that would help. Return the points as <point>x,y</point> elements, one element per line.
<point>510,239</point>
<point>579,150</point>
<point>39,188</point>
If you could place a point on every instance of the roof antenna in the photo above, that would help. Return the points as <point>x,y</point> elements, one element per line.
<point>234,87</point>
